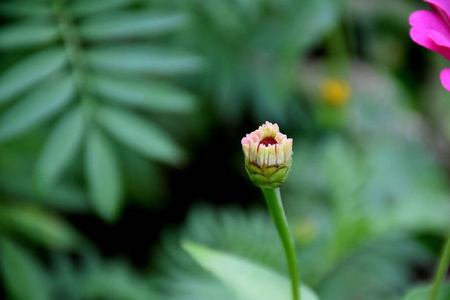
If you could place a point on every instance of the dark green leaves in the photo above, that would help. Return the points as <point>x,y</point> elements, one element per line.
<point>27,34</point>
<point>65,41</point>
<point>141,59</point>
<point>25,9</point>
<point>146,94</point>
<point>39,104</point>
<point>30,71</point>
<point>102,172</point>
<point>141,135</point>
<point>86,7</point>
<point>131,24</point>
<point>38,225</point>
<point>23,276</point>
<point>65,138</point>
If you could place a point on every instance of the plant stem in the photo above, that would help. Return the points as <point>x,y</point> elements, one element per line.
<point>73,48</point>
<point>441,271</point>
<point>273,199</point>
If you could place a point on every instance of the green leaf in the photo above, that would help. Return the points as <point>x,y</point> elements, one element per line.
<point>315,19</point>
<point>130,24</point>
<point>103,176</point>
<point>61,146</point>
<point>38,225</point>
<point>115,278</point>
<point>41,103</point>
<point>25,34</point>
<point>141,135</point>
<point>29,71</point>
<point>23,277</point>
<point>86,7</point>
<point>25,9</point>
<point>249,280</point>
<point>151,95</point>
<point>423,293</point>
<point>144,59</point>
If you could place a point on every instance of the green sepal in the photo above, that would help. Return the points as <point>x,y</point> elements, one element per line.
<point>271,177</point>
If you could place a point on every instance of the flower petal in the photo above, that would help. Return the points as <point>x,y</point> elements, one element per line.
<point>280,154</point>
<point>430,31</point>
<point>260,156</point>
<point>445,78</point>
<point>426,20</point>
<point>272,158</point>
<point>429,43</point>
<point>441,7</point>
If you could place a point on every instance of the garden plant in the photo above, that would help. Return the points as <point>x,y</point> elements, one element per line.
<point>224,149</point>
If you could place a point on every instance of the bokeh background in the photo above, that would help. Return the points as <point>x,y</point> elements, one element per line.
<point>120,129</point>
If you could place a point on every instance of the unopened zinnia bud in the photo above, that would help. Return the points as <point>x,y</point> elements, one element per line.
<point>268,156</point>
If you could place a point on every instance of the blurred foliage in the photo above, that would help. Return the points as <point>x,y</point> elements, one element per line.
<point>253,48</point>
<point>117,117</point>
<point>90,65</point>
<point>225,266</point>
<point>182,278</point>
<point>423,292</point>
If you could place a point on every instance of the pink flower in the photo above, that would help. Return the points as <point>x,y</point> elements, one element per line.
<point>431,29</point>
<point>268,155</point>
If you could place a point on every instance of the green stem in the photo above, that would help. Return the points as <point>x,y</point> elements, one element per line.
<point>441,271</point>
<point>73,48</point>
<point>273,199</point>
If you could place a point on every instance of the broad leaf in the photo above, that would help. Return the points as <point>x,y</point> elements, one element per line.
<point>30,71</point>
<point>151,95</point>
<point>424,292</point>
<point>103,176</point>
<point>130,24</point>
<point>249,280</point>
<point>61,145</point>
<point>142,135</point>
<point>144,59</point>
<point>25,34</point>
<point>41,103</point>
<point>23,277</point>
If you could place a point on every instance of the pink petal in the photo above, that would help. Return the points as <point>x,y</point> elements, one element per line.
<point>439,38</point>
<point>427,20</point>
<point>441,7</point>
<point>245,141</point>
<point>430,31</point>
<point>424,40</point>
<point>445,78</point>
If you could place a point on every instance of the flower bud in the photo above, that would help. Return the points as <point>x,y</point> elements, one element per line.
<point>268,156</point>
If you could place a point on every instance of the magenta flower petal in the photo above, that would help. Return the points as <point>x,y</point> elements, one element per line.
<point>430,31</point>
<point>426,20</point>
<point>445,78</point>
<point>441,7</point>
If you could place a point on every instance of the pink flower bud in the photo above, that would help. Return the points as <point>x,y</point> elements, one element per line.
<point>268,156</point>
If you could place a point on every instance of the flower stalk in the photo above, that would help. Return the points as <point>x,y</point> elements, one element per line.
<point>268,159</point>
<point>273,199</point>
<point>441,271</point>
